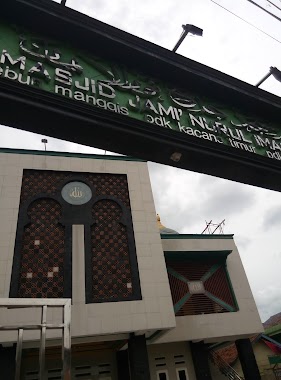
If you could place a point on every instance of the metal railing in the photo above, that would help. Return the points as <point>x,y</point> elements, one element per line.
<point>224,367</point>
<point>42,327</point>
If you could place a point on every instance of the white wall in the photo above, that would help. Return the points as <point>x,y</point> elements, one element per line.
<point>168,353</point>
<point>222,326</point>
<point>155,310</point>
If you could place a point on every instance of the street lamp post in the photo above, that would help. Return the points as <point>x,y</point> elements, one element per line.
<point>272,71</point>
<point>192,29</point>
<point>45,142</point>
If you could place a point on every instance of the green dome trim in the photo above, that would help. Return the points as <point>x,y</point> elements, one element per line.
<point>164,230</point>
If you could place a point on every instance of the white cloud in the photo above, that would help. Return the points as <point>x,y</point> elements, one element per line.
<point>185,199</point>
<point>272,218</point>
<point>269,301</point>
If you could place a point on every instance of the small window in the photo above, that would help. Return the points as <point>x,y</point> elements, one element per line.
<point>160,361</point>
<point>182,374</point>
<point>179,359</point>
<point>162,375</point>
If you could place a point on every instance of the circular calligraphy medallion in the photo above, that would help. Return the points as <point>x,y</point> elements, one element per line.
<point>76,193</point>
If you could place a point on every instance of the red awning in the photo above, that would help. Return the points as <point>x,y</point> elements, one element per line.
<point>274,348</point>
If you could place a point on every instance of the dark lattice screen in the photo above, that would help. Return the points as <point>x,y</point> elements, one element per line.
<point>214,297</point>
<point>41,259</point>
<point>112,277</point>
<point>48,182</point>
<point>42,252</point>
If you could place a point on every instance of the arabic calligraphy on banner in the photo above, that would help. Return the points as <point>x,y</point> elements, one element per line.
<point>54,67</point>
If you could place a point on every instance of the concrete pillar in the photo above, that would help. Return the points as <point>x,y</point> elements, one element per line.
<point>122,360</point>
<point>138,358</point>
<point>200,359</point>
<point>78,264</point>
<point>247,359</point>
<point>8,362</point>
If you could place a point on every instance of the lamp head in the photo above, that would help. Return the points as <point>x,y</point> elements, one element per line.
<point>276,73</point>
<point>193,30</point>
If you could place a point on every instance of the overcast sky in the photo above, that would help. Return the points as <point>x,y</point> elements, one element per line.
<point>185,200</point>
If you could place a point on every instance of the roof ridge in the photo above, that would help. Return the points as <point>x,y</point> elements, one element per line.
<point>69,154</point>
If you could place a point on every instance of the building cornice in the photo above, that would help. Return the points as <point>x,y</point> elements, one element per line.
<point>69,154</point>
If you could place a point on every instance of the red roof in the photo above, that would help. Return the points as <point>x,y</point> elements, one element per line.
<point>229,353</point>
<point>273,320</point>
<point>274,348</point>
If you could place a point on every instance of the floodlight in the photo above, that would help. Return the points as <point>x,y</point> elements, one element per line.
<point>188,28</point>
<point>272,71</point>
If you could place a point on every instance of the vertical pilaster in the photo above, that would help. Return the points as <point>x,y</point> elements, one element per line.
<point>247,359</point>
<point>200,359</point>
<point>123,365</point>
<point>78,264</point>
<point>138,358</point>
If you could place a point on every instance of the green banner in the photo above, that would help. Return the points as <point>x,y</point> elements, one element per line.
<point>58,68</point>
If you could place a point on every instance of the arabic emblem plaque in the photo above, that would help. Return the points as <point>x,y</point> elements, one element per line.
<point>76,193</point>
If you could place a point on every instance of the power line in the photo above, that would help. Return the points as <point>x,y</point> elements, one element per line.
<point>260,30</point>
<point>271,14</point>
<point>274,5</point>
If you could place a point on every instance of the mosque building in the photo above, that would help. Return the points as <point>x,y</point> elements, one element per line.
<point>144,305</point>
<point>92,285</point>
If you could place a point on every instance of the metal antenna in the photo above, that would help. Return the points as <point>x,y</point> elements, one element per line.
<point>211,228</point>
<point>207,227</point>
<point>220,227</point>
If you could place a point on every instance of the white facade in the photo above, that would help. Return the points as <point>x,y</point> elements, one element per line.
<point>153,315</point>
<point>155,310</point>
<point>218,327</point>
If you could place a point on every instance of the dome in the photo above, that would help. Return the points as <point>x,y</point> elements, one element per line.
<point>164,230</point>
